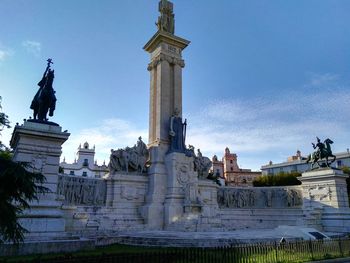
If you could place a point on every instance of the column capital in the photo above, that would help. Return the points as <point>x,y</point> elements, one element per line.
<point>163,57</point>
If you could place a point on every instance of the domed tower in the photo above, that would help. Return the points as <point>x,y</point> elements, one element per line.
<point>85,155</point>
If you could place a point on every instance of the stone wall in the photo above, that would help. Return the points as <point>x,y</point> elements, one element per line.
<point>260,207</point>
<point>260,197</point>
<point>117,209</point>
<point>77,190</point>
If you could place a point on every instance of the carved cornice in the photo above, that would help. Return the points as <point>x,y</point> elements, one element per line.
<point>162,36</point>
<point>163,57</point>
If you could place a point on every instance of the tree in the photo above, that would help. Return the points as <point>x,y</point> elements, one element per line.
<point>18,187</point>
<point>4,122</point>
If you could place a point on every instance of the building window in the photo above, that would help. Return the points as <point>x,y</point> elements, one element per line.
<point>339,164</point>
<point>71,173</point>
<point>231,161</point>
<point>86,162</point>
<point>85,174</point>
<point>244,181</point>
<point>231,168</point>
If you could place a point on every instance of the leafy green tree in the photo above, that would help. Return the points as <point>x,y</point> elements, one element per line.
<point>280,179</point>
<point>4,123</point>
<point>18,187</point>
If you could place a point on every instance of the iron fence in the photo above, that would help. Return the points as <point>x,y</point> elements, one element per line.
<point>301,251</point>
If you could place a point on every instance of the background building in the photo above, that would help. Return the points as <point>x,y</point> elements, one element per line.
<point>85,164</point>
<point>229,170</point>
<point>297,163</point>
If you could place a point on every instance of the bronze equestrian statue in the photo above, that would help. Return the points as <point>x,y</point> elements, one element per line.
<point>44,100</point>
<point>323,151</point>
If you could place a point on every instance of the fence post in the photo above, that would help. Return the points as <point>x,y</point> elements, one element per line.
<point>276,253</point>
<point>340,247</point>
<point>311,251</point>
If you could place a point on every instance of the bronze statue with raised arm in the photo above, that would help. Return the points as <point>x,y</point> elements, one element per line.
<point>44,100</point>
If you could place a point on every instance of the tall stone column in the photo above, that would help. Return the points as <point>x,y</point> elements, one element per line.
<point>165,96</point>
<point>40,144</point>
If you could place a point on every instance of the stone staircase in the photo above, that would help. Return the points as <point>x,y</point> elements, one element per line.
<point>233,219</point>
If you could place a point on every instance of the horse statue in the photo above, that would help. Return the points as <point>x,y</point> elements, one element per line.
<point>133,159</point>
<point>324,151</point>
<point>44,100</point>
<point>201,163</point>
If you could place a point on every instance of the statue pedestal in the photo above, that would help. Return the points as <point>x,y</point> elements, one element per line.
<point>182,187</point>
<point>40,145</point>
<point>153,210</point>
<point>325,189</point>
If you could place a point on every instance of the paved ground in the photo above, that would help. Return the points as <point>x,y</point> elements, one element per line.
<point>337,260</point>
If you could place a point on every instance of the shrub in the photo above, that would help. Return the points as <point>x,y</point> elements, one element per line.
<point>280,179</point>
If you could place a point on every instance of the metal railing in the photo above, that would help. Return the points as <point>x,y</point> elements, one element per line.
<point>301,251</point>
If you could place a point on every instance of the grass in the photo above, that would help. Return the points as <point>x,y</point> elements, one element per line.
<point>112,249</point>
<point>304,251</point>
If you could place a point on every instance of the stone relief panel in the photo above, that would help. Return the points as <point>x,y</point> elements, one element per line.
<point>320,193</point>
<point>259,197</point>
<point>182,174</point>
<point>81,191</point>
<point>130,193</point>
<point>38,162</point>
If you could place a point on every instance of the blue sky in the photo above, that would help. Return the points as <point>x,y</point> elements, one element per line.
<point>261,77</point>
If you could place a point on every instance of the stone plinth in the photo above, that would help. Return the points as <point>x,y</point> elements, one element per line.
<point>153,210</point>
<point>40,145</point>
<point>182,188</point>
<point>325,187</point>
<point>325,190</point>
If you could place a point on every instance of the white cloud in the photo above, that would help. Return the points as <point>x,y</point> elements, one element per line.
<point>275,126</point>
<point>322,79</point>
<point>32,47</point>
<point>110,133</point>
<point>5,53</point>
<point>258,130</point>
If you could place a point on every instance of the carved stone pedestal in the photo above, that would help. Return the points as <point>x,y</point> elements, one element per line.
<point>325,190</point>
<point>153,210</point>
<point>182,187</point>
<point>40,145</point>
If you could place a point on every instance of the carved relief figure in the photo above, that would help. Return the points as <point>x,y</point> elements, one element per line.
<point>81,191</point>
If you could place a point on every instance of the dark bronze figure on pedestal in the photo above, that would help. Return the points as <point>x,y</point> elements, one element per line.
<point>44,100</point>
<point>323,151</point>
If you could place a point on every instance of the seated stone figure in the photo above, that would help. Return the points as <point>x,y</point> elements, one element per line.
<point>130,158</point>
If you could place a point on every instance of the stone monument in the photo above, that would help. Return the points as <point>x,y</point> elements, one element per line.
<point>165,70</point>
<point>325,190</point>
<point>173,183</point>
<point>39,142</point>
